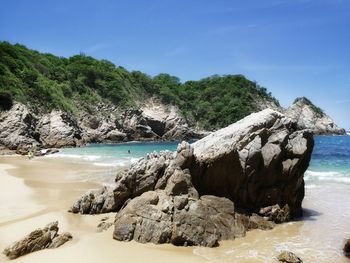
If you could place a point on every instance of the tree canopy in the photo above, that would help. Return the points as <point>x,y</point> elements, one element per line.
<point>49,82</point>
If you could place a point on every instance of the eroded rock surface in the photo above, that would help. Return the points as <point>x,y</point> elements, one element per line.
<point>17,127</point>
<point>39,239</point>
<point>257,162</point>
<point>58,129</point>
<point>188,197</point>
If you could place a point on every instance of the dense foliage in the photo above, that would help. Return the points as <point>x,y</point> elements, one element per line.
<point>49,82</point>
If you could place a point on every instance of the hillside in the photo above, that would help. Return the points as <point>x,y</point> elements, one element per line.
<point>48,101</point>
<point>46,82</point>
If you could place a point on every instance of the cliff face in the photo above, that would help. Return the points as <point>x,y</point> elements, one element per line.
<point>309,116</point>
<point>22,128</point>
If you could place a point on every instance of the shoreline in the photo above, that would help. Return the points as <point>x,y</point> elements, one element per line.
<point>45,188</point>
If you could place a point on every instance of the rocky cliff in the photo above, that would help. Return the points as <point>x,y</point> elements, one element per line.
<point>190,197</point>
<point>22,128</point>
<point>309,116</point>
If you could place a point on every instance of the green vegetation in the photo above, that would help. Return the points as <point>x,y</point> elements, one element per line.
<point>47,82</point>
<point>319,112</point>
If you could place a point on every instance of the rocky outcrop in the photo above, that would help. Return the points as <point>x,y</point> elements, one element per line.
<point>18,127</point>
<point>39,239</point>
<point>22,129</point>
<point>189,197</point>
<point>288,257</point>
<point>308,116</point>
<point>346,248</point>
<point>58,129</point>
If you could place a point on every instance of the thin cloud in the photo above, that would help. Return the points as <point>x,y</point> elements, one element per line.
<point>97,47</point>
<point>176,51</point>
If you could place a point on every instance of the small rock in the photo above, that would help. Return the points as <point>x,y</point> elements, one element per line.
<point>105,218</point>
<point>346,248</point>
<point>104,226</point>
<point>276,214</point>
<point>289,257</point>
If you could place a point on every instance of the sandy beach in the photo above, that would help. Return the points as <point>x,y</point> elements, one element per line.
<point>34,193</point>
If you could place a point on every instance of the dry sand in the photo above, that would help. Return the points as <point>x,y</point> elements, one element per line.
<point>34,193</point>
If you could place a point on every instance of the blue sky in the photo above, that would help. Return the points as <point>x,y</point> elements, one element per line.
<point>292,47</point>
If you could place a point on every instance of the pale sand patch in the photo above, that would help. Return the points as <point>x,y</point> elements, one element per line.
<point>44,189</point>
<point>14,196</point>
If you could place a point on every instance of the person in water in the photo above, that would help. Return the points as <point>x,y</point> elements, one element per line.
<point>30,154</point>
<point>129,151</point>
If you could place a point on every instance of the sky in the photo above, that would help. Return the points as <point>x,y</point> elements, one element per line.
<point>292,47</point>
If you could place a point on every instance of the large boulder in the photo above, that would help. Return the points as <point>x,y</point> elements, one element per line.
<point>257,162</point>
<point>39,239</point>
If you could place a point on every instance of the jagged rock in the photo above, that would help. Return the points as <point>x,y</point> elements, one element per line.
<point>96,201</point>
<point>288,257</point>
<point>58,129</point>
<point>256,162</point>
<point>177,215</point>
<point>308,116</point>
<point>59,240</point>
<point>243,162</point>
<point>46,237</point>
<point>17,128</point>
<point>346,248</point>
<point>169,197</point>
<point>167,121</point>
<point>276,214</point>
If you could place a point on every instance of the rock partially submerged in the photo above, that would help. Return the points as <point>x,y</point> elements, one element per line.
<point>39,239</point>
<point>288,257</point>
<point>189,197</point>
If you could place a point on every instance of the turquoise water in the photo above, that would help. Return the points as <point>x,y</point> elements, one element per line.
<point>330,159</point>
<point>115,154</point>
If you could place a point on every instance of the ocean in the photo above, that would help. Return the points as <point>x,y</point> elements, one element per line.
<point>330,163</point>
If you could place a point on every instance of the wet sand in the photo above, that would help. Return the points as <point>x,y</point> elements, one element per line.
<point>34,193</point>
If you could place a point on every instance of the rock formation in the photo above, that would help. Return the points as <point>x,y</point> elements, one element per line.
<point>308,116</point>
<point>17,127</point>
<point>21,128</point>
<point>58,129</point>
<point>189,197</point>
<point>39,239</point>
